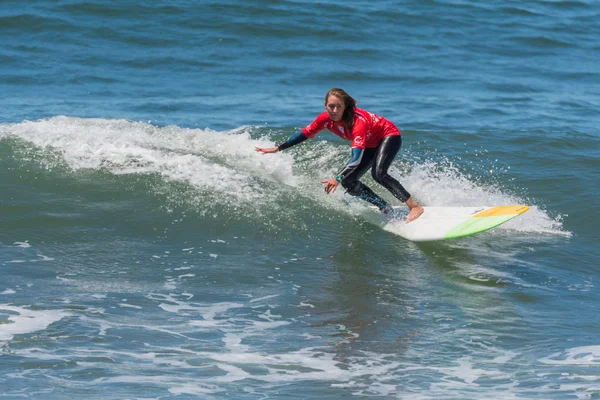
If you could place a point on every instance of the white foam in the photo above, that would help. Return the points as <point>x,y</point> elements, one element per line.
<point>216,369</point>
<point>42,258</point>
<point>27,321</point>
<point>304,304</point>
<point>192,388</point>
<point>264,298</point>
<point>584,355</point>
<point>206,159</point>
<point>129,306</point>
<point>233,373</point>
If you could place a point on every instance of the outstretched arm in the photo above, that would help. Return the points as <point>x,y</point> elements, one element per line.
<point>291,141</point>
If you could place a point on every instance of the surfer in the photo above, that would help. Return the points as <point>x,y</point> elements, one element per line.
<point>375,143</point>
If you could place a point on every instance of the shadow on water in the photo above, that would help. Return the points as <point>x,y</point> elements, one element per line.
<point>392,298</point>
<point>373,295</point>
<point>459,264</point>
<point>478,280</point>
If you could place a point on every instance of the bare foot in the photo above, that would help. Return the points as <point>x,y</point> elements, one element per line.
<point>414,213</point>
<point>415,210</point>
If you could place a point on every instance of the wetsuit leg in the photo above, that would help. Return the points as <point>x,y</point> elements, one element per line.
<point>355,187</point>
<point>386,152</point>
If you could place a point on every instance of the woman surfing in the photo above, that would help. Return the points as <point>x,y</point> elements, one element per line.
<point>375,142</point>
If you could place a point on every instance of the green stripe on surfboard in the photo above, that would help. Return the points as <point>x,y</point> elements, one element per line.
<point>485,220</point>
<point>475,225</point>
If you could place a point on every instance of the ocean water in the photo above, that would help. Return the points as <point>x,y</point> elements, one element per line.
<point>148,252</point>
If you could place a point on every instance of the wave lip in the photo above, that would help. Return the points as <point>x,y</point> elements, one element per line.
<point>223,163</point>
<point>223,167</point>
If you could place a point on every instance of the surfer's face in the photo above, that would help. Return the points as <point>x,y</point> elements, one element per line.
<point>335,108</point>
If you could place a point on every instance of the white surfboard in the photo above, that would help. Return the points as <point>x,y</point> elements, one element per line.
<point>443,223</point>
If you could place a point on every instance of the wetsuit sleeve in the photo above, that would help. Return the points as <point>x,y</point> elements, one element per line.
<point>307,132</point>
<point>359,139</point>
<point>292,141</point>
<point>355,158</point>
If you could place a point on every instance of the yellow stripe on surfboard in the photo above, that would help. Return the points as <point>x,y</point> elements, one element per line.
<point>501,211</point>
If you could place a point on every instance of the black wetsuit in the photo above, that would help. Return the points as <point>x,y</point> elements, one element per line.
<point>375,143</point>
<point>379,160</point>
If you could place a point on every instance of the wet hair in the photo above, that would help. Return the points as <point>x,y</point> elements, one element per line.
<point>349,104</point>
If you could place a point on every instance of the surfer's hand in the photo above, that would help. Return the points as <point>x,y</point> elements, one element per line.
<point>330,185</point>
<point>267,150</point>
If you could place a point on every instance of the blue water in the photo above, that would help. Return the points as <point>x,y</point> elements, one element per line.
<point>148,252</point>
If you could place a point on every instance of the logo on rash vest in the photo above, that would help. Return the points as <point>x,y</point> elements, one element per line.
<point>341,129</point>
<point>358,141</point>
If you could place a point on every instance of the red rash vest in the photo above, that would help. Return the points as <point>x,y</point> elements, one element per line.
<point>368,130</point>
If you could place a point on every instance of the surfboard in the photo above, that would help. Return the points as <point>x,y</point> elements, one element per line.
<point>444,223</point>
